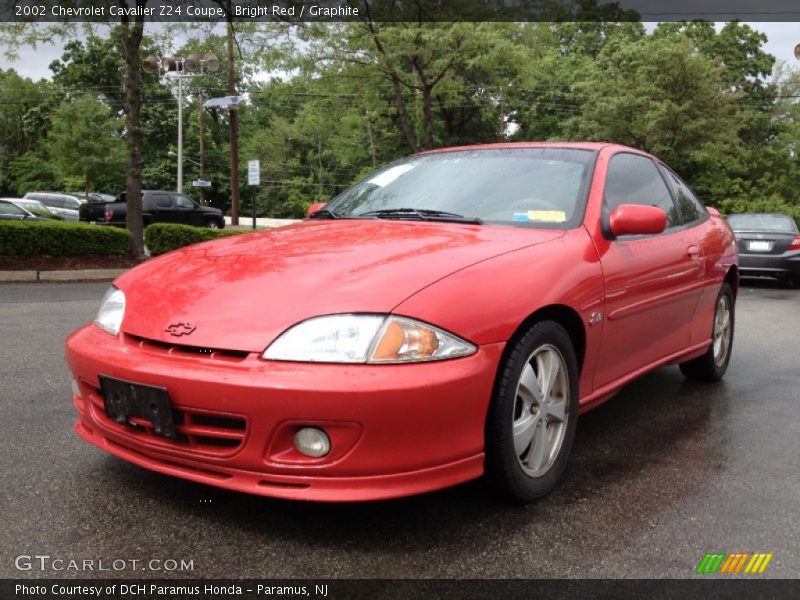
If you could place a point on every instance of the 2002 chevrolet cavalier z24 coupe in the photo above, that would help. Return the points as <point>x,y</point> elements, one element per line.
<point>449,316</point>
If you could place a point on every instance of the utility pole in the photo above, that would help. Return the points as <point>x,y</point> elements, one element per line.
<point>202,146</point>
<point>180,134</point>
<point>234,123</point>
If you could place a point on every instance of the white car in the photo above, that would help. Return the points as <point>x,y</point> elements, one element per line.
<point>62,204</point>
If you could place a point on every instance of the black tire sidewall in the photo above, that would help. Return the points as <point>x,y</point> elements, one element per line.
<point>502,465</point>
<point>725,290</point>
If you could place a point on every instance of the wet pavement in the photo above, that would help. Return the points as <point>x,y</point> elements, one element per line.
<point>663,473</point>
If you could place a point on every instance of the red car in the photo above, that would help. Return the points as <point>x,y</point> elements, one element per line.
<point>449,316</point>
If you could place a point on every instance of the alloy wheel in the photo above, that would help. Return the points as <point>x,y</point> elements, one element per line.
<point>722,330</point>
<point>541,410</point>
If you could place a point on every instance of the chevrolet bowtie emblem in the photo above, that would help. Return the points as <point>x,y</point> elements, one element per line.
<point>180,328</point>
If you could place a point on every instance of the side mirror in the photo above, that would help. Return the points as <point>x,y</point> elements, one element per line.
<point>637,219</point>
<point>316,207</point>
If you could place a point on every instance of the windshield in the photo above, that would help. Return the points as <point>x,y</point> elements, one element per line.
<point>521,186</point>
<point>776,223</point>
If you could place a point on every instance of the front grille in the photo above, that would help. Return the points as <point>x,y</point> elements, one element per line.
<point>202,431</point>
<point>162,348</point>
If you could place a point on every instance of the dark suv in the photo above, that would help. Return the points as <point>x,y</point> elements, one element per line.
<point>157,207</point>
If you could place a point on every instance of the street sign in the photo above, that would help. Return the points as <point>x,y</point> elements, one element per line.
<point>201,183</point>
<point>253,172</point>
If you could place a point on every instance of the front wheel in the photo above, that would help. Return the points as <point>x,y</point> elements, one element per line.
<point>530,427</point>
<point>712,365</point>
<point>212,224</point>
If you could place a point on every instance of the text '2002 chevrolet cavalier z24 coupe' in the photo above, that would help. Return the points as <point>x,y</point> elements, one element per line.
<point>449,316</point>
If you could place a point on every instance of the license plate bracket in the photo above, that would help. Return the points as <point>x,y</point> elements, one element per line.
<point>125,400</point>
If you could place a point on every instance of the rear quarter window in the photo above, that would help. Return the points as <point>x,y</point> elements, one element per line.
<point>692,210</point>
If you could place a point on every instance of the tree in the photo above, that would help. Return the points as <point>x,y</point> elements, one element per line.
<point>85,145</point>
<point>25,108</point>
<point>131,34</point>
<point>659,95</point>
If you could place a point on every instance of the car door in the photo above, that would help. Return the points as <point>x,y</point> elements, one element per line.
<point>162,207</point>
<point>71,207</point>
<point>652,282</point>
<point>187,211</point>
<point>12,212</point>
<point>53,202</point>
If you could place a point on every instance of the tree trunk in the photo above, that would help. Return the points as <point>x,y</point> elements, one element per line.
<point>373,151</point>
<point>400,105</point>
<point>131,42</point>
<point>399,101</point>
<point>427,115</point>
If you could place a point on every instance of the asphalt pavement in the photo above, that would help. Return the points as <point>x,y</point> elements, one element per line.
<point>663,473</point>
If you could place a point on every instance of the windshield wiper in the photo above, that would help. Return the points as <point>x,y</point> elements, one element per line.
<point>423,214</point>
<point>324,214</point>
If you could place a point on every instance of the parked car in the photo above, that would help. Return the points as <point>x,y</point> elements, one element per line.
<point>93,197</point>
<point>158,207</point>
<point>62,204</point>
<point>769,246</point>
<point>11,211</point>
<point>450,315</point>
<point>36,208</point>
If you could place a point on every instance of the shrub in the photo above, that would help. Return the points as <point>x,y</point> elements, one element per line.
<point>53,238</point>
<point>166,237</point>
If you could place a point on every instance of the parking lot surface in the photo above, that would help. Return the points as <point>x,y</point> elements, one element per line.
<point>663,473</point>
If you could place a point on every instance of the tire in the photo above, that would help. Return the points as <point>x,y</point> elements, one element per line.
<point>712,365</point>
<point>526,471</point>
<point>212,224</point>
<point>795,282</point>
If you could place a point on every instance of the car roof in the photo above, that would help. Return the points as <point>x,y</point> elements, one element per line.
<point>37,193</point>
<point>759,215</point>
<point>510,145</point>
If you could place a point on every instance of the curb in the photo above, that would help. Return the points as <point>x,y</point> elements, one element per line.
<point>52,276</point>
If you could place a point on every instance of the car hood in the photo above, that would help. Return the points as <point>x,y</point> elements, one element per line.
<point>241,292</point>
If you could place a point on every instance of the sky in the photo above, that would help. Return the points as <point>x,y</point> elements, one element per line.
<point>782,38</point>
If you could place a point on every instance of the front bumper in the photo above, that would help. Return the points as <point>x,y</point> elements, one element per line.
<point>396,430</point>
<point>770,265</point>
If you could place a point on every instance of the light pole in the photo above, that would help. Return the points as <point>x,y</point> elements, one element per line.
<point>180,69</point>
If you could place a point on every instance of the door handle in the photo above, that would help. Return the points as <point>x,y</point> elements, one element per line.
<point>693,252</point>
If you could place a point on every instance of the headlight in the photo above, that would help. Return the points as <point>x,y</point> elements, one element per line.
<point>112,310</point>
<point>366,339</point>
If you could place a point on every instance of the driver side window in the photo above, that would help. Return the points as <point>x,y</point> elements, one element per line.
<point>634,179</point>
<point>6,208</point>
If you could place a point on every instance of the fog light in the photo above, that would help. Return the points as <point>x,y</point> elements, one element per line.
<point>76,389</point>
<point>312,442</point>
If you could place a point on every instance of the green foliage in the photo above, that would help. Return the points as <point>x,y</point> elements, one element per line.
<point>61,239</point>
<point>86,149</point>
<point>31,172</point>
<point>658,95</point>
<point>166,237</point>
<point>25,108</point>
<point>343,98</point>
